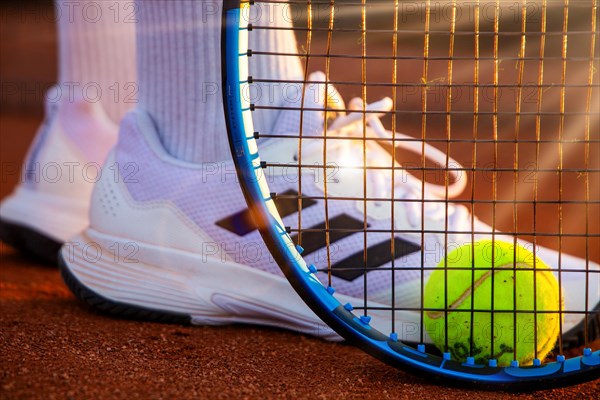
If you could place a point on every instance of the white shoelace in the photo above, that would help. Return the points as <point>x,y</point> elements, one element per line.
<point>348,155</point>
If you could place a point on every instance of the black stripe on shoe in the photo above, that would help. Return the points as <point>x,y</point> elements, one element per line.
<point>242,223</point>
<point>378,255</point>
<point>340,227</point>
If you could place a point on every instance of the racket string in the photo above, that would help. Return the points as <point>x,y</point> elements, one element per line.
<point>331,23</point>
<point>544,110</point>
<point>425,78</point>
<point>591,71</point>
<point>363,14</point>
<point>560,165</point>
<point>393,138</point>
<point>476,56</point>
<point>446,175</point>
<point>537,158</point>
<point>518,103</point>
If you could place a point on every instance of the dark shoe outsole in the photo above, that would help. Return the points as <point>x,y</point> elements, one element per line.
<point>572,339</point>
<point>42,248</point>
<point>576,336</point>
<point>30,242</point>
<point>114,308</point>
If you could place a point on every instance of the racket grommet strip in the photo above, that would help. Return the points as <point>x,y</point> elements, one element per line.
<point>249,53</point>
<point>263,164</point>
<point>312,269</point>
<point>288,229</point>
<point>493,363</point>
<point>299,249</point>
<point>394,337</point>
<point>330,290</point>
<point>252,107</point>
<point>447,356</point>
<point>514,363</point>
<point>365,319</point>
<point>537,362</point>
<point>587,352</point>
<point>348,307</point>
<point>421,348</point>
<point>250,79</point>
<point>470,360</point>
<point>256,135</point>
<point>250,27</point>
<point>560,358</point>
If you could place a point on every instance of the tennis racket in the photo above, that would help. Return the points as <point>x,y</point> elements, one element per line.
<point>466,121</point>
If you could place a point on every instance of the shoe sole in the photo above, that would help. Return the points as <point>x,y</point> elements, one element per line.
<point>30,242</point>
<point>575,337</point>
<point>187,291</point>
<point>38,223</point>
<point>181,288</point>
<point>114,308</point>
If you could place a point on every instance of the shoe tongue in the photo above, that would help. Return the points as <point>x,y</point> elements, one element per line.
<point>292,117</point>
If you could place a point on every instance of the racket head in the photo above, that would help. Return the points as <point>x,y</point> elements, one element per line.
<point>322,299</point>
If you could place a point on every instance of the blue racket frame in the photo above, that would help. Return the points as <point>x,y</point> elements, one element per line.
<point>321,299</point>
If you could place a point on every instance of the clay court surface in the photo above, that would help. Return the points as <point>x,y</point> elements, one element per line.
<point>52,347</point>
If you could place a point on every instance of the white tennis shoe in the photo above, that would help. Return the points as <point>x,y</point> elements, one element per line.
<point>51,202</point>
<point>174,241</point>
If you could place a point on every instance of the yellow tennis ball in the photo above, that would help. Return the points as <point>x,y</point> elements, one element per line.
<point>468,280</point>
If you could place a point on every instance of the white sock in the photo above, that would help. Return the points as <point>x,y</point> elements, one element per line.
<point>97,53</point>
<point>179,66</point>
<point>278,67</point>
